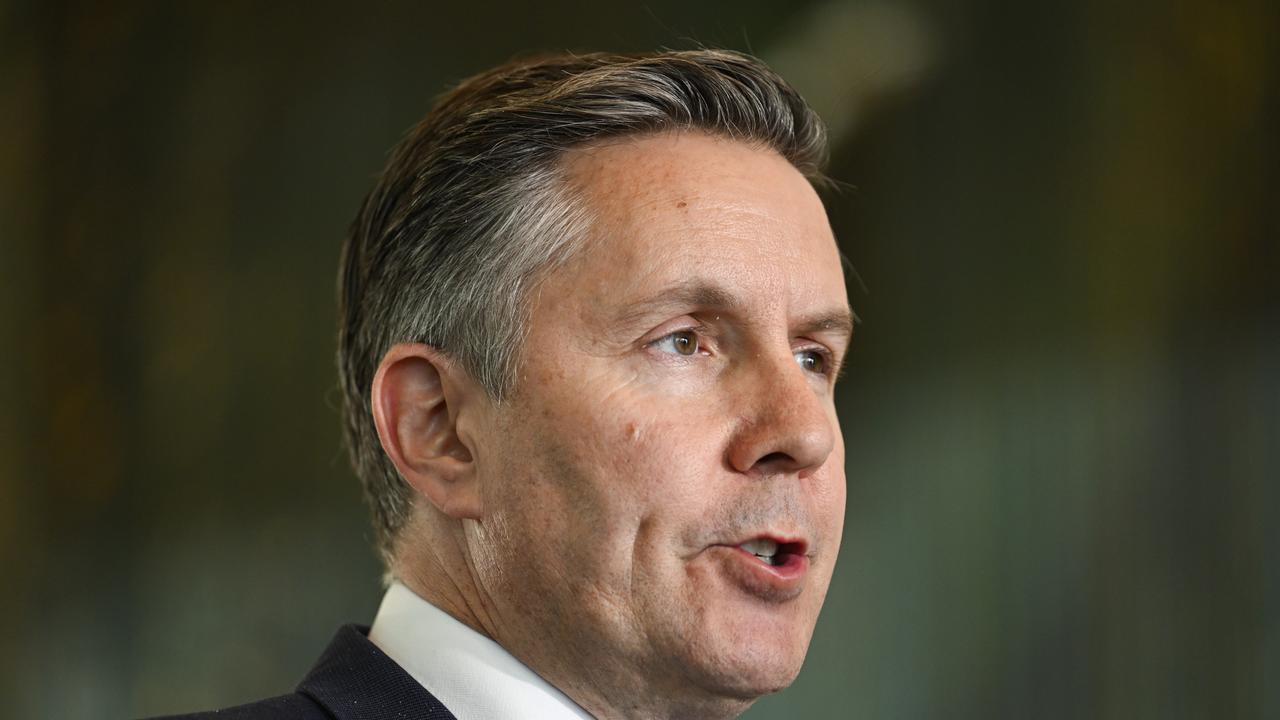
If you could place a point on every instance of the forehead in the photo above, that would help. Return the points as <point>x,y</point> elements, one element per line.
<point>673,207</point>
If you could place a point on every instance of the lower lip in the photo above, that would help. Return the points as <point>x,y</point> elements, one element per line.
<point>771,583</point>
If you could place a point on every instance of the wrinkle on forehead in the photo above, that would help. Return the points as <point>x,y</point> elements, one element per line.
<point>673,208</point>
<point>686,171</point>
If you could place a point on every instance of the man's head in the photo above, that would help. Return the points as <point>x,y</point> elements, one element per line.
<point>592,314</point>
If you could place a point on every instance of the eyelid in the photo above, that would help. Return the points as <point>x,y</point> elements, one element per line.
<point>679,325</point>
<point>832,365</point>
<point>685,324</point>
<point>833,360</point>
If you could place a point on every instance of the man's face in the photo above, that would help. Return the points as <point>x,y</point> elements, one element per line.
<point>674,416</point>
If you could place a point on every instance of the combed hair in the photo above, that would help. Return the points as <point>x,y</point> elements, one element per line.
<point>473,208</point>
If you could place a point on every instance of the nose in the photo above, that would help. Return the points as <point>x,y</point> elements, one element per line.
<point>786,427</point>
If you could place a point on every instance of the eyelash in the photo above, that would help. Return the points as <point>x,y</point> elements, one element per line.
<point>696,330</point>
<point>829,369</point>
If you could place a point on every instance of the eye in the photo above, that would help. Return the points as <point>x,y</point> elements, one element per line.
<point>681,342</point>
<point>814,361</point>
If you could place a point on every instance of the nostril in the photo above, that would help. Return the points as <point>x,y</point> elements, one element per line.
<point>775,459</point>
<point>782,438</point>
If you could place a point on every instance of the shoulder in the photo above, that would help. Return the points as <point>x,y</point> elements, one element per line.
<point>284,707</point>
<point>352,680</point>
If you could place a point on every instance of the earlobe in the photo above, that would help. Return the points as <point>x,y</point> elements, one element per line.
<point>416,397</point>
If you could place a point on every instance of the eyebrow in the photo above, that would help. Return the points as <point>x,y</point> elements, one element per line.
<point>697,293</point>
<point>839,321</point>
<point>711,296</point>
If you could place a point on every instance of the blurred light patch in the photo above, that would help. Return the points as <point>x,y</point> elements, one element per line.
<point>844,57</point>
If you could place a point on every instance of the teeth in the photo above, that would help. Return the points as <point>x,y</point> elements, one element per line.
<point>761,548</point>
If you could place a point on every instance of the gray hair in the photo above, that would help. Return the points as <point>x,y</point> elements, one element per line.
<point>473,209</point>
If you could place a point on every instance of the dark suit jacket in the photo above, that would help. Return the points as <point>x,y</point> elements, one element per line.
<point>353,680</point>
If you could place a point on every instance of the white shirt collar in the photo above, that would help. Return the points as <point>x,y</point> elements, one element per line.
<point>470,674</point>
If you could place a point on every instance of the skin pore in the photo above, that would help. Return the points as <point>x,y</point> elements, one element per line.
<point>675,401</point>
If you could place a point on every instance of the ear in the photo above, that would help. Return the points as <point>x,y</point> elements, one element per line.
<point>417,396</point>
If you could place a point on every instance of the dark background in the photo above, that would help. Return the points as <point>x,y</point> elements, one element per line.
<point>1062,411</point>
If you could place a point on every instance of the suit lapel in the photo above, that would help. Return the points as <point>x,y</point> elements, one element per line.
<point>354,680</point>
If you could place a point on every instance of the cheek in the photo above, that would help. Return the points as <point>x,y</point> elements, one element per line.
<point>576,482</point>
<point>634,486</point>
<point>630,439</point>
<point>662,464</point>
<point>595,483</point>
<point>828,504</point>
<point>835,470</point>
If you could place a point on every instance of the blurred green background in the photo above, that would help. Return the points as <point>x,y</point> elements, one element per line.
<point>1062,411</point>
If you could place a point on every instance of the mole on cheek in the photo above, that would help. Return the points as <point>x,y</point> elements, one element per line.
<point>682,204</point>
<point>633,432</point>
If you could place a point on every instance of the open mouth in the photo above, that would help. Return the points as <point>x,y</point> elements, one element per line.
<point>772,552</point>
<point>772,569</point>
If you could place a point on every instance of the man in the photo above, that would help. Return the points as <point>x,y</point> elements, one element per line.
<point>592,316</point>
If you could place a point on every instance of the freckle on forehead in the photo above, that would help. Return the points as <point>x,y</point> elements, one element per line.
<point>681,204</point>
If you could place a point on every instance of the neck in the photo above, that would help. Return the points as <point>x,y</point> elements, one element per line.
<point>431,561</point>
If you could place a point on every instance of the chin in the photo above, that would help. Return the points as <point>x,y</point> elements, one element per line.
<point>749,669</point>
<point>727,646</point>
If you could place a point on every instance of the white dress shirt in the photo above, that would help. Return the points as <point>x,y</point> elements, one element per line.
<point>472,675</point>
